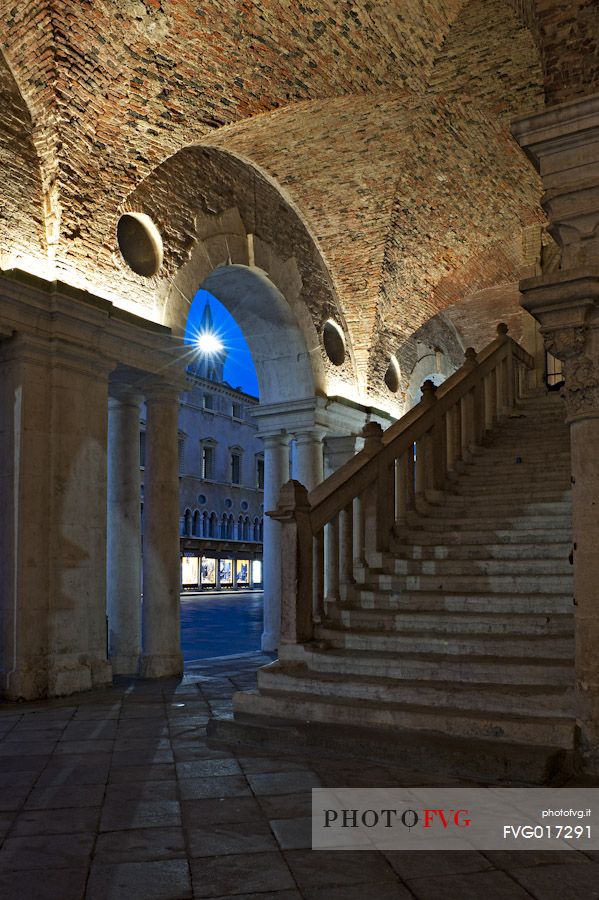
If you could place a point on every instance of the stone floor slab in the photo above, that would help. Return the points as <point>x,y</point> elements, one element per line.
<point>293,834</point>
<point>215,810</point>
<point>120,815</point>
<point>202,788</point>
<point>56,821</point>
<point>408,864</point>
<point>222,839</point>
<point>559,882</point>
<point>228,876</point>
<point>43,884</point>
<point>139,845</point>
<point>473,886</point>
<point>283,782</point>
<point>154,880</point>
<point>62,851</point>
<point>319,868</point>
<point>202,768</point>
<point>65,796</point>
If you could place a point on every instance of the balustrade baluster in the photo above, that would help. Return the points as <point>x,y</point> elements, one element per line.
<point>358,543</point>
<point>318,576</point>
<point>332,561</point>
<point>346,531</point>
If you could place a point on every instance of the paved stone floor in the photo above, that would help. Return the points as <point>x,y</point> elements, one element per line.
<point>115,795</point>
<point>219,624</point>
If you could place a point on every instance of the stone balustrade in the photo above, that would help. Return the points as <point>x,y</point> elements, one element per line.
<point>353,514</point>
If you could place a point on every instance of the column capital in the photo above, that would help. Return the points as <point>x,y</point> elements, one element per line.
<point>157,391</point>
<point>274,439</point>
<point>124,394</point>
<point>563,144</point>
<point>309,436</point>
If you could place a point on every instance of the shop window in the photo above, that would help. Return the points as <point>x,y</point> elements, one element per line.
<point>225,572</point>
<point>257,571</point>
<point>242,567</point>
<point>208,571</point>
<point>190,571</point>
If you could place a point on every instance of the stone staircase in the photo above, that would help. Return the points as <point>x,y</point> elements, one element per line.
<point>465,625</point>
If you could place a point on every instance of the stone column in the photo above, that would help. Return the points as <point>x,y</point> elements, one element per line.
<point>53,432</point>
<point>161,566</point>
<point>563,144</point>
<point>338,450</point>
<point>124,531</point>
<point>309,466</point>
<point>276,473</point>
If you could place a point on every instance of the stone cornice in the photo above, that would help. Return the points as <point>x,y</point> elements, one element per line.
<point>557,128</point>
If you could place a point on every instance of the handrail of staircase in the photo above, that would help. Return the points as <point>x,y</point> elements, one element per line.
<point>350,518</point>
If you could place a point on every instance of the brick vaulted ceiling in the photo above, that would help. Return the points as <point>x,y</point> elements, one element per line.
<point>382,123</point>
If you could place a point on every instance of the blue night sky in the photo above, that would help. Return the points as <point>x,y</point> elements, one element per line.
<point>239,367</point>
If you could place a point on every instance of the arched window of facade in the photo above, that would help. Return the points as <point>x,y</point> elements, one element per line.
<point>205,525</point>
<point>256,529</point>
<point>187,523</point>
<point>195,524</point>
<point>223,527</point>
<point>212,525</point>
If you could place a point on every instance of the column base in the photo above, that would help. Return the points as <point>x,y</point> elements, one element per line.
<point>71,676</point>
<point>157,666</point>
<point>41,677</point>
<point>28,682</point>
<point>125,664</point>
<point>269,642</point>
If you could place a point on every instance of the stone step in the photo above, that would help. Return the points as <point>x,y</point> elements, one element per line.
<point>441,756</point>
<point>529,700</point>
<point>558,566</point>
<point>459,601</point>
<point>549,646</point>
<point>501,509</point>
<point>461,551</point>
<point>524,491</point>
<point>550,584</point>
<point>555,731</point>
<point>449,621</point>
<point>451,536</point>
<point>502,669</point>
<point>529,522</point>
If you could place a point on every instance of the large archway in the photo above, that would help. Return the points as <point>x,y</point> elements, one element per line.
<point>288,372</point>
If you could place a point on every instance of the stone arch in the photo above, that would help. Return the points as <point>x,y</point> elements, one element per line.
<point>22,222</point>
<point>285,367</point>
<point>214,208</point>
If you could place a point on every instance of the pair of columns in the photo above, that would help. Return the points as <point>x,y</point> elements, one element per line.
<point>143,638</point>
<point>309,469</point>
<point>563,143</point>
<point>312,462</point>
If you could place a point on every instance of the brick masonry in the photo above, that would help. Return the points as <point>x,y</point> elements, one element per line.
<point>366,139</point>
